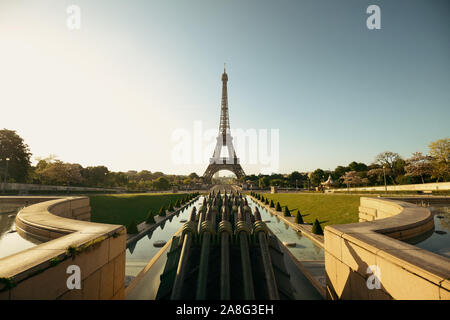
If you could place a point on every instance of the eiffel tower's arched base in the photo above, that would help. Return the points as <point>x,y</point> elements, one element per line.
<point>215,167</point>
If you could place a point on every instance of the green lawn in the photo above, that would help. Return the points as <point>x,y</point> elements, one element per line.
<point>123,208</point>
<point>328,208</point>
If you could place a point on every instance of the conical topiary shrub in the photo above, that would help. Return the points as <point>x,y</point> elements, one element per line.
<point>287,213</point>
<point>272,205</point>
<point>150,218</point>
<point>177,204</point>
<point>316,228</point>
<point>278,208</point>
<point>162,212</point>
<point>170,207</point>
<point>262,199</point>
<point>266,202</point>
<point>132,228</point>
<point>298,218</point>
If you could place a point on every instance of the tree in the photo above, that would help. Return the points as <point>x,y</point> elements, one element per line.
<point>351,178</point>
<point>418,165</point>
<point>339,172</point>
<point>116,179</point>
<point>144,175</point>
<point>357,166</point>
<point>263,182</point>
<point>379,173</point>
<point>388,159</point>
<point>193,176</point>
<point>317,177</point>
<point>276,182</point>
<point>161,183</point>
<point>440,151</point>
<point>296,179</point>
<point>162,212</point>
<point>12,146</point>
<point>59,173</point>
<point>95,176</point>
<point>272,205</point>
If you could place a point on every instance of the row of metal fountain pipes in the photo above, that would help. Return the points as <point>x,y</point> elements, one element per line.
<point>246,225</point>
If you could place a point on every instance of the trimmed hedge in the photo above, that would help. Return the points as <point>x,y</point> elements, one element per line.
<point>316,228</point>
<point>278,208</point>
<point>299,218</point>
<point>162,212</point>
<point>150,218</point>
<point>287,213</point>
<point>132,228</point>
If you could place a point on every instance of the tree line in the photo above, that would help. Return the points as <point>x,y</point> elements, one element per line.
<point>388,167</point>
<point>15,166</point>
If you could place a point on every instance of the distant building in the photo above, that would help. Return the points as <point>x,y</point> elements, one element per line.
<point>329,183</point>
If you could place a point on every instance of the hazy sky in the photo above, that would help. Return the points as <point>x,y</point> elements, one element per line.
<point>114,92</point>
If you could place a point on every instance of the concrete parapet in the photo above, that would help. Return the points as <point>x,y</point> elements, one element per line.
<point>41,271</point>
<point>437,186</point>
<point>359,255</point>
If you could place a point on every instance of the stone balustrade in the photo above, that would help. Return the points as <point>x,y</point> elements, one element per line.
<point>434,186</point>
<point>41,271</point>
<point>359,254</point>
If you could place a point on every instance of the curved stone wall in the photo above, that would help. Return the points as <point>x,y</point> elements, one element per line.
<point>41,272</point>
<point>366,260</point>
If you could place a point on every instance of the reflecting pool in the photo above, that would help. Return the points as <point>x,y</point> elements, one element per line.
<point>304,249</point>
<point>141,252</point>
<point>10,241</point>
<point>437,240</point>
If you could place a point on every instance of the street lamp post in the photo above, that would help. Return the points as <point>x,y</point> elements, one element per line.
<point>6,174</point>
<point>384,174</point>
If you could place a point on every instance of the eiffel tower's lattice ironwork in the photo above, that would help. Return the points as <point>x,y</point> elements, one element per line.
<point>224,139</point>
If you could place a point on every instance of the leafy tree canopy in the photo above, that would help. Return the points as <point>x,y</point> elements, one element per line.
<point>13,147</point>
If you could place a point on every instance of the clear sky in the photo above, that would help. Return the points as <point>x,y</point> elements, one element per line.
<point>114,92</point>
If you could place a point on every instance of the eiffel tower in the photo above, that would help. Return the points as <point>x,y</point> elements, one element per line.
<point>224,139</point>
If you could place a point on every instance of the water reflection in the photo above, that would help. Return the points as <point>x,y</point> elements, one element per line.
<point>436,240</point>
<point>142,251</point>
<point>10,240</point>
<point>304,249</point>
